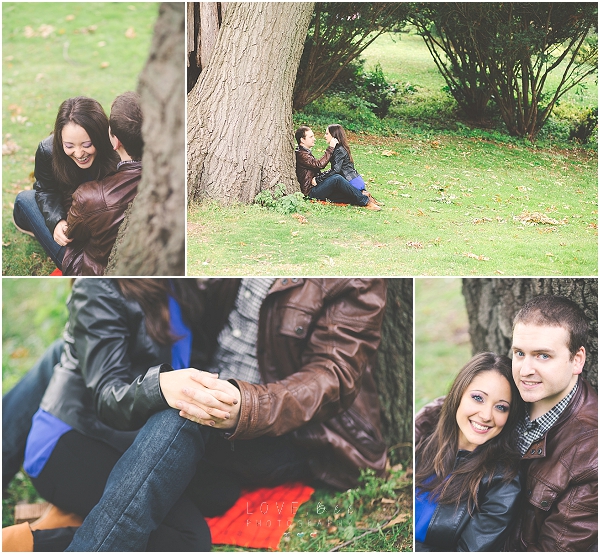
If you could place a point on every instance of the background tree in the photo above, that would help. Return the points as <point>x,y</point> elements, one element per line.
<point>203,24</point>
<point>151,240</point>
<point>240,129</point>
<point>338,33</point>
<point>514,46</point>
<point>445,31</point>
<point>393,373</point>
<point>493,303</point>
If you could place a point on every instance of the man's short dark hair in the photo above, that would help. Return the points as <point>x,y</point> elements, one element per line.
<point>556,311</point>
<point>126,123</point>
<point>301,133</point>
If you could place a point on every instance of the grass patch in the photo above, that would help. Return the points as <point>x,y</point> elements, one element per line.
<point>53,51</point>
<point>442,341</point>
<point>453,206</point>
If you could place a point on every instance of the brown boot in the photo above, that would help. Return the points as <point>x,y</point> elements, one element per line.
<point>17,538</point>
<point>372,206</point>
<point>55,518</point>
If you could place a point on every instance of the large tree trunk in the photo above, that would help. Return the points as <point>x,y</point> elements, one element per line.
<point>393,373</point>
<point>493,303</point>
<point>151,240</point>
<point>240,129</point>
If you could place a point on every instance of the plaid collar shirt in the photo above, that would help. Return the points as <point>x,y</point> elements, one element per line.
<point>532,431</point>
<point>236,352</point>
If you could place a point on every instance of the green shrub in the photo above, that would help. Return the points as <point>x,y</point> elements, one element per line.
<point>281,202</point>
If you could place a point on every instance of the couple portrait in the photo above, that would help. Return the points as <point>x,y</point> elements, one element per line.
<point>163,400</point>
<point>507,460</point>
<point>76,129</point>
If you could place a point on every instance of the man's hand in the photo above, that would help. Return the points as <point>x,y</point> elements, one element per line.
<point>60,233</point>
<point>314,181</point>
<point>210,384</point>
<point>333,142</point>
<point>199,397</point>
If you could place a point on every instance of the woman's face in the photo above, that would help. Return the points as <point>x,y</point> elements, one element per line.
<point>78,145</point>
<point>327,136</point>
<point>483,409</point>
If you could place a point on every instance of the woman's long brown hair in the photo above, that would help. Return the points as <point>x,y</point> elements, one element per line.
<point>87,113</point>
<point>337,131</point>
<point>436,454</point>
<point>153,297</point>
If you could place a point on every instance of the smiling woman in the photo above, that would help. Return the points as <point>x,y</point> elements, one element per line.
<point>466,469</point>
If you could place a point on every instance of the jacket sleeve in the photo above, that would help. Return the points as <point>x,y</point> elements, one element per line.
<point>343,342</point>
<point>310,162</point>
<point>486,530</point>
<point>122,397</point>
<point>337,161</point>
<point>48,194</point>
<point>572,522</point>
<point>77,219</point>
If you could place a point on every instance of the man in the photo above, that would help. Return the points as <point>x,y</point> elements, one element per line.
<point>558,437</point>
<point>334,188</point>
<point>99,207</point>
<point>296,354</point>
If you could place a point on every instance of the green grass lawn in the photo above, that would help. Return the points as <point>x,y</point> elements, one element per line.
<point>442,342</point>
<point>52,51</point>
<point>458,201</point>
<point>375,517</point>
<point>453,206</point>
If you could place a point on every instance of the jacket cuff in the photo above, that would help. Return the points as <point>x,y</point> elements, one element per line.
<point>243,427</point>
<point>153,376</point>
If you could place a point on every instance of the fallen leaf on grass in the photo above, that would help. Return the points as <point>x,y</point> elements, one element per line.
<point>6,243</point>
<point>414,244</point>
<point>401,518</point>
<point>420,212</point>
<point>19,352</point>
<point>389,153</point>
<point>387,501</point>
<point>479,220</point>
<point>535,218</point>
<point>70,17</point>
<point>300,218</point>
<point>476,257</point>
<point>295,233</point>
<point>130,33</point>
<point>104,65</point>
<point>10,147</point>
<point>593,226</point>
<point>15,109</point>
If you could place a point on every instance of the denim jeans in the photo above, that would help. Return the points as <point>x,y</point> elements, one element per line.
<point>156,470</point>
<point>18,407</point>
<point>29,217</point>
<point>337,189</point>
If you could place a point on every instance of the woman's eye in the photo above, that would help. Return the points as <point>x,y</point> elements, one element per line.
<point>67,145</point>
<point>477,398</point>
<point>87,144</point>
<point>502,407</point>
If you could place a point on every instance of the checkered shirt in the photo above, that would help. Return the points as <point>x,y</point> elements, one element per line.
<point>532,431</point>
<point>236,352</point>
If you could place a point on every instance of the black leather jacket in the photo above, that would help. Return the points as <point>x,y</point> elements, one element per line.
<point>52,199</point>
<point>340,164</point>
<point>452,529</point>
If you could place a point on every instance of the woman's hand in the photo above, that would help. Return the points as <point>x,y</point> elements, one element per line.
<point>211,384</point>
<point>199,398</point>
<point>60,233</point>
<point>333,142</point>
<point>314,181</point>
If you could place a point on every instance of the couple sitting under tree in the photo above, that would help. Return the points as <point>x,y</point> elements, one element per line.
<point>341,183</point>
<point>87,173</point>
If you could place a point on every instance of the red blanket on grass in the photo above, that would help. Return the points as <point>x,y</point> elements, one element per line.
<point>56,273</point>
<point>260,517</point>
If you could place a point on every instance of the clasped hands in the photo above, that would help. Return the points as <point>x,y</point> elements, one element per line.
<point>202,397</point>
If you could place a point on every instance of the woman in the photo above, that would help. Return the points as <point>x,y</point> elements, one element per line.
<point>467,465</point>
<point>113,371</point>
<point>83,153</point>
<point>341,161</point>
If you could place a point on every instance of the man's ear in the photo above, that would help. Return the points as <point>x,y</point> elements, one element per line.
<point>116,143</point>
<point>579,361</point>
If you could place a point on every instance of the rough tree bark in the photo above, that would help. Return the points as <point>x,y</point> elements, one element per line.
<point>493,303</point>
<point>240,129</point>
<point>151,240</point>
<point>393,373</point>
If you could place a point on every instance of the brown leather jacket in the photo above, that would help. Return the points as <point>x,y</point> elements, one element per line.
<point>94,218</point>
<point>561,490</point>
<point>316,347</point>
<point>307,166</point>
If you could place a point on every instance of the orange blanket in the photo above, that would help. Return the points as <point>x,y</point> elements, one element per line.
<point>260,517</point>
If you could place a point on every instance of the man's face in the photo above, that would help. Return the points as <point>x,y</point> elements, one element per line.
<point>309,139</point>
<point>542,366</point>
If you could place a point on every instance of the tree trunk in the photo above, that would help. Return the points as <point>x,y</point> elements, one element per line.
<point>493,303</point>
<point>240,129</point>
<point>393,373</point>
<point>151,240</point>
